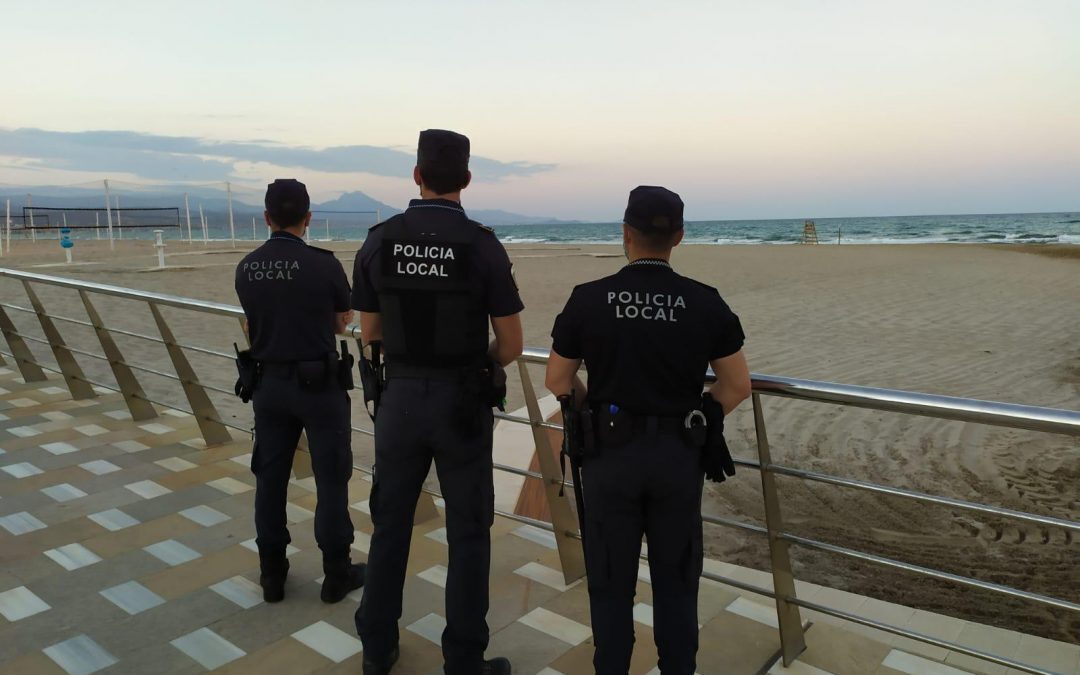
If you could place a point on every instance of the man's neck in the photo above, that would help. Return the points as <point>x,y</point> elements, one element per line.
<point>294,231</point>
<point>449,196</point>
<point>634,256</point>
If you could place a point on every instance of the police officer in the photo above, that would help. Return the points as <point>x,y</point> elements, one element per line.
<point>646,335</point>
<point>295,298</point>
<point>427,283</point>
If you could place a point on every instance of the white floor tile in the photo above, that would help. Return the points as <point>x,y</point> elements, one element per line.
<point>23,402</point>
<point>64,492</point>
<point>435,575</point>
<point>99,467</point>
<point>73,556</point>
<point>24,432</point>
<point>430,628</point>
<point>557,626</point>
<point>242,460</point>
<point>239,590</point>
<point>20,470</point>
<point>754,610</point>
<point>909,663</point>
<point>20,523</point>
<point>297,514</point>
<point>59,448</point>
<point>175,413</point>
<point>130,446</point>
<point>56,416</point>
<point>643,614</point>
<point>175,464</point>
<point>545,575</point>
<point>536,535</point>
<point>331,642</point>
<point>208,648</point>
<point>132,597</point>
<point>118,414</point>
<point>204,515</point>
<point>362,541</point>
<point>796,668</point>
<point>80,656</point>
<point>172,552</point>
<point>91,430</point>
<point>250,545</point>
<point>148,489</point>
<point>229,486</point>
<point>52,391</point>
<point>363,506</point>
<point>156,428</point>
<point>439,535</point>
<point>20,602</point>
<point>113,519</point>
<point>197,443</point>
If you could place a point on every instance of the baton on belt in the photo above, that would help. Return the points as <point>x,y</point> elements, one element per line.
<point>572,450</point>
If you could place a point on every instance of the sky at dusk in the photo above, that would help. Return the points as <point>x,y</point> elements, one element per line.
<point>748,109</point>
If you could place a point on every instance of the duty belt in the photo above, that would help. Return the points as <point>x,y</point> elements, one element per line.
<point>278,368</point>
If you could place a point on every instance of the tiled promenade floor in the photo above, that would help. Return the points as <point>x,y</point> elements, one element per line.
<point>128,548</point>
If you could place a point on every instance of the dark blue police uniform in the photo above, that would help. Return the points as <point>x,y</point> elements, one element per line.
<point>435,277</point>
<point>291,294</point>
<point>646,335</point>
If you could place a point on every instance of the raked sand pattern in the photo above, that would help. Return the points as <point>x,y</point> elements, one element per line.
<point>985,322</point>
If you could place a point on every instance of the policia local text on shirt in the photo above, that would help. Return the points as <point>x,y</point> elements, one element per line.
<point>646,335</point>
<point>295,297</point>
<point>427,282</point>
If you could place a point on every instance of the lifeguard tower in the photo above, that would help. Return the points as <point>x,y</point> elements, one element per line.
<point>809,232</point>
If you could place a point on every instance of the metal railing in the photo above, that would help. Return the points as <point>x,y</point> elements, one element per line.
<point>215,430</point>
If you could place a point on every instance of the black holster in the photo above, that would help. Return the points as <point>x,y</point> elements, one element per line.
<point>247,369</point>
<point>344,368</point>
<point>372,377</point>
<point>715,456</point>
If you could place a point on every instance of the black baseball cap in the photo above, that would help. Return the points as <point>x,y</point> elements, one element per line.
<point>287,198</point>
<point>654,209</point>
<point>443,149</point>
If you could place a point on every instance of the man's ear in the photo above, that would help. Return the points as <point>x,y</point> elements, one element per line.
<point>625,233</point>
<point>266,217</point>
<point>468,179</point>
<point>307,220</point>
<point>416,176</point>
<point>678,238</point>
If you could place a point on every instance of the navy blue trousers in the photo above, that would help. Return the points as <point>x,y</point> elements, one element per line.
<point>652,487</point>
<point>417,423</point>
<point>282,411</point>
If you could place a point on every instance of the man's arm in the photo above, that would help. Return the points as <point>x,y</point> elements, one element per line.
<point>732,384</point>
<point>370,327</point>
<point>562,378</point>
<point>509,341</point>
<point>341,321</point>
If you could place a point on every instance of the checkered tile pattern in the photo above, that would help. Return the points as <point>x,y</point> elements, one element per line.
<point>128,547</point>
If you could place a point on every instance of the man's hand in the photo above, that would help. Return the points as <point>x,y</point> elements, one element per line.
<point>342,321</point>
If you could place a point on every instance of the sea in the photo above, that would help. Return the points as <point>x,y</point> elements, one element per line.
<point>1012,228</point>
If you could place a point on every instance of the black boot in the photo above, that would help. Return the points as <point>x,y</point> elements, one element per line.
<point>382,666</point>
<point>273,568</point>
<point>499,665</point>
<point>342,576</point>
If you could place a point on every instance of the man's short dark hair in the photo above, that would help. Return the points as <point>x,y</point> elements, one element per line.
<point>443,159</point>
<point>656,240</point>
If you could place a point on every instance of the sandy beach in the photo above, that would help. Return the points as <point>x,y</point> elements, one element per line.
<point>987,322</point>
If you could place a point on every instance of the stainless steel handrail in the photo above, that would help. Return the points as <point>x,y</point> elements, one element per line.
<point>1034,418</point>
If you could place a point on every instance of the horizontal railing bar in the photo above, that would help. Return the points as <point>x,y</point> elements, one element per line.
<point>17,308</point>
<point>1051,420</point>
<point>737,524</point>
<point>930,572</point>
<point>127,293</point>
<point>366,432</point>
<point>937,642</point>
<point>742,585</point>
<point>520,472</point>
<point>932,499</point>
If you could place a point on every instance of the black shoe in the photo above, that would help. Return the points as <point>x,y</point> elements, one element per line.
<point>342,577</point>
<point>273,570</point>
<point>372,667</point>
<point>499,665</point>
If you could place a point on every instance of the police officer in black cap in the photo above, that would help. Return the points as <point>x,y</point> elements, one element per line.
<point>295,298</point>
<point>646,335</point>
<point>427,283</point>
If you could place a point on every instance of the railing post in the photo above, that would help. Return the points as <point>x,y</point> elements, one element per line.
<point>792,640</point>
<point>24,358</point>
<point>69,367</point>
<point>571,553</point>
<point>134,397</point>
<point>213,431</point>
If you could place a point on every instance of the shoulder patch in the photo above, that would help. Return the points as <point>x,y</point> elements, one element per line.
<point>482,227</point>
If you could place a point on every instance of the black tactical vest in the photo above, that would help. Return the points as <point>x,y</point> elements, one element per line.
<point>431,302</point>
